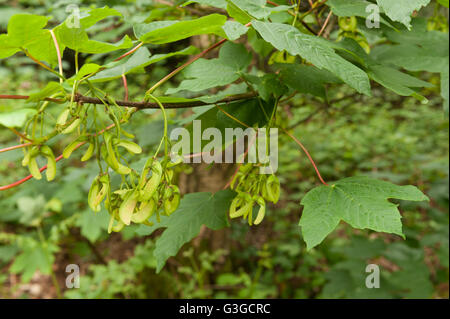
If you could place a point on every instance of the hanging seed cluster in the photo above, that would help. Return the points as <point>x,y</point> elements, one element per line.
<point>253,188</point>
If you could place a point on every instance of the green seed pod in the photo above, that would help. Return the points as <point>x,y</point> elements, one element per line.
<point>103,190</point>
<point>261,212</point>
<point>146,209</point>
<point>34,168</point>
<point>51,162</point>
<point>73,145</point>
<point>89,152</point>
<point>118,227</point>
<point>127,207</point>
<point>63,116</point>
<point>93,193</point>
<point>235,179</point>
<point>273,189</point>
<point>26,158</point>
<point>171,200</point>
<point>111,158</point>
<point>153,183</point>
<point>126,134</point>
<point>130,146</point>
<point>240,207</point>
<point>348,24</point>
<point>72,127</point>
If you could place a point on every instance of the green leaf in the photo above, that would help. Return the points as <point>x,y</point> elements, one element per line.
<point>234,30</point>
<point>25,31</point>
<point>7,47</point>
<point>16,118</point>
<point>34,257</point>
<point>349,8</point>
<point>136,63</point>
<point>306,78</point>
<point>213,3</point>
<point>396,81</point>
<point>315,50</point>
<point>401,10</point>
<point>179,30</point>
<point>258,8</point>
<point>411,57</point>
<point>25,28</point>
<point>205,74</point>
<point>196,209</point>
<point>78,40</point>
<point>85,70</point>
<point>50,89</point>
<point>96,15</point>
<point>268,86</point>
<point>93,224</point>
<point>361,202</point>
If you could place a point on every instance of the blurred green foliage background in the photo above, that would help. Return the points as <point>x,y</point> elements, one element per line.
<point>46,226</point>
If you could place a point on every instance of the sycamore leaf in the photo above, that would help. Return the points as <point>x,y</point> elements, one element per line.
<point>213,3</point>
<point>93,224</point>
<point>205,74</point>
<point>401,10</point>
<point>258,8</point>
<point>398,82</point>
<point>34,257</point>
<point>306,78</point>
<point>26,31</point>
<point>136,62</point>
<point>50,89</point>
<point>196,209</point>
<point>234,30</point>
<point>171,31</point>
<point>349,8</point>
<point>361,202</point>
<point>316,50</point>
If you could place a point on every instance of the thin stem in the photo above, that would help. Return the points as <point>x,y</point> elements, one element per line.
<point>60,157</point>
<point>307,154</point>
<point>20,134</point>
<point>15,147</point>
<point>166,145</point>
<point>297,9</point>
<point>40,63</point>
<point>325,24</point>
<point>316,5</point>
<point>25,97</point>
<point>58,53</point>
<point>129,52</point>
<point>125,86</point>
<point>232,117</point>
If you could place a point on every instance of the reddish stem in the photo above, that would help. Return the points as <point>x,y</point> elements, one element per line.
<point>325,24</point>
<point>15,147</point>
<point>125,86</point>
<point>129,52</point>
<point>307,154</point>
<point>58,53</point>
<point>60,157</point>
<point>25,97</point>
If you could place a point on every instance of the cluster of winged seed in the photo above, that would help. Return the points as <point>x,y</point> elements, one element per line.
<point>253,187</point>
